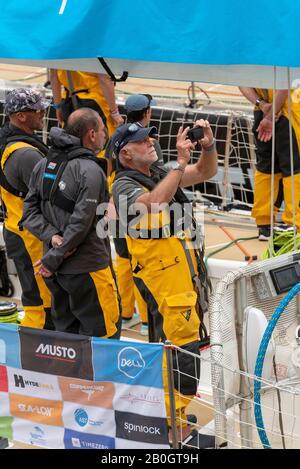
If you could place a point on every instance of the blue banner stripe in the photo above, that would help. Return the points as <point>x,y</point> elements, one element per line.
<point>10,345</point>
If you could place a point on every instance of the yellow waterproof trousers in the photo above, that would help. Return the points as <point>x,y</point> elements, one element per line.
<point>129,293</point>
<point>165,283</point>
<point>262,198</point>
<point>25,250</point>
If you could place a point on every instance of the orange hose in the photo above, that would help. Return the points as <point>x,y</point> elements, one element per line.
<point>238,244</point>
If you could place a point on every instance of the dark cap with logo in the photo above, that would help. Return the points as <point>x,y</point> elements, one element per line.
<point>25,99</point>
<point>130,133</point>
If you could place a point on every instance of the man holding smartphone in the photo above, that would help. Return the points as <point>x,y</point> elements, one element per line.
<point>166,267</point>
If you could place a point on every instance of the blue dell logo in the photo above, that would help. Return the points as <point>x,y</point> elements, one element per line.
<point>81,417</point>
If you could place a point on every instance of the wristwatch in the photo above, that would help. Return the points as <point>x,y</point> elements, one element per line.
<point>258,101</point>
<point>178,167</point>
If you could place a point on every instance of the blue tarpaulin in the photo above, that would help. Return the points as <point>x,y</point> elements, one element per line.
<point>228,42</point>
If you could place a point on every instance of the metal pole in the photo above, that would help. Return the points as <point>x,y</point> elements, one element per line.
<point>193,99</point>
<point>251,146</point>
<point>171,391</point>
<point>245,391</point>
<point>226,161</point>
<point>292,160</point>
<point>273,167</point>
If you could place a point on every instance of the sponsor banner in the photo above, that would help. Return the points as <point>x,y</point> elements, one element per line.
<point>121,444</point>
<point>43,411</point>
<point>4,404</point>
<point>6,430</point>
<point>9,345</point>
<point>127,362</point>
<point>142,428</point>
<point>38,434</point>
<point>88,419</point>
<point>140,400</point>
<point>3,379</point>
<point>92,393</point>
<point>33,384</point>
<point>77,440</point>
<point>56,353</point>
<point>80,392</point>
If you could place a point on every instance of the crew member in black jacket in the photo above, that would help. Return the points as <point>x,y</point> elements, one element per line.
<point>60,208</point>
<point>20,150</point>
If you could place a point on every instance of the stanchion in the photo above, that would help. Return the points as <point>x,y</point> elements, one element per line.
<point>171,389</point>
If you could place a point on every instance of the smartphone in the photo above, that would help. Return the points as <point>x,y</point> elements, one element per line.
<point>195,134</point>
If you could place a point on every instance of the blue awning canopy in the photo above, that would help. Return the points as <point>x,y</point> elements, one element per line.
<point>238,43</point>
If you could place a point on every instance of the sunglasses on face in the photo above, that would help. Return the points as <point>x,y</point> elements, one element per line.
<point>35,111</point>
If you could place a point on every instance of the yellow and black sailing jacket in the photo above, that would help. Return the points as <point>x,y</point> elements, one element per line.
<point>13,199</point>
<point>267,95</point>
<point>160,252</point>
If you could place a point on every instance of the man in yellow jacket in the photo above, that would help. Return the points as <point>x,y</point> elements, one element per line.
<point>138,109</point>
<point>166,267</point>
<point>85,89</point>
<point>21,150</point>
<point>264,102</point>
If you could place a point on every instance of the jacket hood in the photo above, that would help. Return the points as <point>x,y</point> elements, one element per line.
<point>60,139</point>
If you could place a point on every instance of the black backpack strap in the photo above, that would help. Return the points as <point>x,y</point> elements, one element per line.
<point>62,202</point>
<point>85,90</point>
<point>57,161</point>
<point>4,182</point>
<point>16,136</point>
<point>9,188</point>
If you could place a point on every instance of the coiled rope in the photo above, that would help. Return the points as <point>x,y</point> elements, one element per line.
<point>260,363</point>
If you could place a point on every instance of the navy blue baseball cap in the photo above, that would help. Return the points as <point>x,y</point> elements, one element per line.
<point>130,133</point>
<point>137,102</point>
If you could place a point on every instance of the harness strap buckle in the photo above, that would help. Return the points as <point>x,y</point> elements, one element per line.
<point>137,268</point>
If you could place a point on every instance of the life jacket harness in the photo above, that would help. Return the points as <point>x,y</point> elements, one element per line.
<point>17,141</point>
<point>174,227</point>
<point>72,93</point>
<point>200,278</point>
<point>57,160</point>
